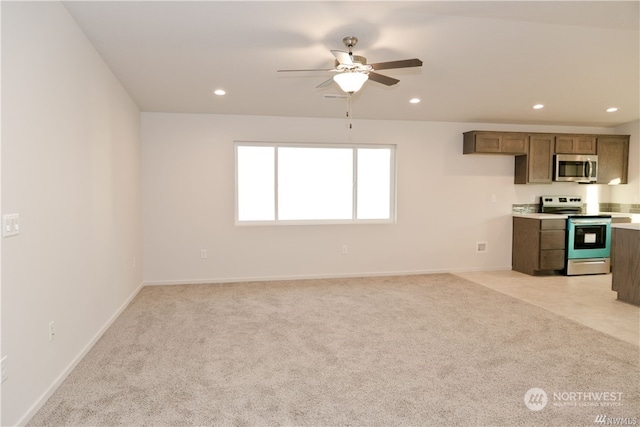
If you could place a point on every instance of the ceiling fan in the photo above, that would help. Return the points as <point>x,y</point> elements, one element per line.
<point>352,71</point>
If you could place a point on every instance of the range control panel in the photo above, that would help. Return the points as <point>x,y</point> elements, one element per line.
<point>561,201</point>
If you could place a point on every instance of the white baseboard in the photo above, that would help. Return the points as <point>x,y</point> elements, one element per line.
<point>313,276</point>
<point>65,373</point>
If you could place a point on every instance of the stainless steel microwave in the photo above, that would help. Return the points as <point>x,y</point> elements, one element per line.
<point>575,168</point>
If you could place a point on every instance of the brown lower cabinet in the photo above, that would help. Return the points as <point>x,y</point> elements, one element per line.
<point>625,269</point>
<point>538,245</point>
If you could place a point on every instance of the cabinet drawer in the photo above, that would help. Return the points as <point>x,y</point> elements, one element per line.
<point>621,220</point>
<point>552,259</point>
<point>553,224</point>
<point>552,239</point>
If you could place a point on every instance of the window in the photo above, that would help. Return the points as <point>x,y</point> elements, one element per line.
<point>314,183</point>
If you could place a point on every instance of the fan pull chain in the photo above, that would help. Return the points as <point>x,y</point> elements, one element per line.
<point>349,111</point>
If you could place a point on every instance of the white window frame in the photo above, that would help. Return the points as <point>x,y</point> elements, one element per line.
<point>392,184</point>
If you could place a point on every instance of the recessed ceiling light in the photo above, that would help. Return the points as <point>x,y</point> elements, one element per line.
<point>219,92</point>
<point>414,100</point>
<point>538,106</point>
<point>612,110</point>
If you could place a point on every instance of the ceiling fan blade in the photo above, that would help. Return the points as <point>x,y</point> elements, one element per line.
<point>343,57</point>
<point>405,63</point>
<point>385,80</point>
<point>311,69</point>
<point>325,83</point>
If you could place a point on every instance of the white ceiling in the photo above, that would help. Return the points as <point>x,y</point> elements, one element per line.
<point>483,61</point>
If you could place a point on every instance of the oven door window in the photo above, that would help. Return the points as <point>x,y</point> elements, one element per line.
<point>590,237</point>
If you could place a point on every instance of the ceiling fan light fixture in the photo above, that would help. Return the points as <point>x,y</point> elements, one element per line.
<point>351,82</point>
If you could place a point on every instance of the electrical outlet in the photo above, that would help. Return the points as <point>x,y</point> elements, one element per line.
<point>345,249</point>
<point>3,369</point>
<point>203,253</point>
<point>52,331</point>
<point>482,247</point>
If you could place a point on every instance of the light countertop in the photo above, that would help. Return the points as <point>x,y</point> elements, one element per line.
<point>540,215</point>
<point>563,216</point>
<point>627,226</point>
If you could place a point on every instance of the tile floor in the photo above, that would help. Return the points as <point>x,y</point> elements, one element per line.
<point>588,300</point>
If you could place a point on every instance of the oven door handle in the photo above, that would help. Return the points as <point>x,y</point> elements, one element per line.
<point>589,221</point>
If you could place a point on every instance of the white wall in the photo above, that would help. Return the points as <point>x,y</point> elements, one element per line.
<point>444,202</point>
<point>1,352</point>
<point>71,169</point>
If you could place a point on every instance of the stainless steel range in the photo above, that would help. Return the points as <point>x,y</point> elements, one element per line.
<point>588,237</point>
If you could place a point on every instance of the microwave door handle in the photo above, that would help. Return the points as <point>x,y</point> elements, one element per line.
<point>587,169</point>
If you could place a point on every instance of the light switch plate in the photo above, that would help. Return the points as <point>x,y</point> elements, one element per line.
<point>10,225</point>
<point>3,369</point>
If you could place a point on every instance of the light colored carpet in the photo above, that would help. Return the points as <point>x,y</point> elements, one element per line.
<point>385,351</point>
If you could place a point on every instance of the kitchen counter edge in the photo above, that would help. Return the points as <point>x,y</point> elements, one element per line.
<point>538,215</point>
<point>627,226</point>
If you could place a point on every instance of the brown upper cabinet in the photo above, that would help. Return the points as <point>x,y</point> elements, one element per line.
<point>575,144</point>
<point>613,159</point>
<point>494,143</point>
<point>537,165</point>
<point>534,152</point>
